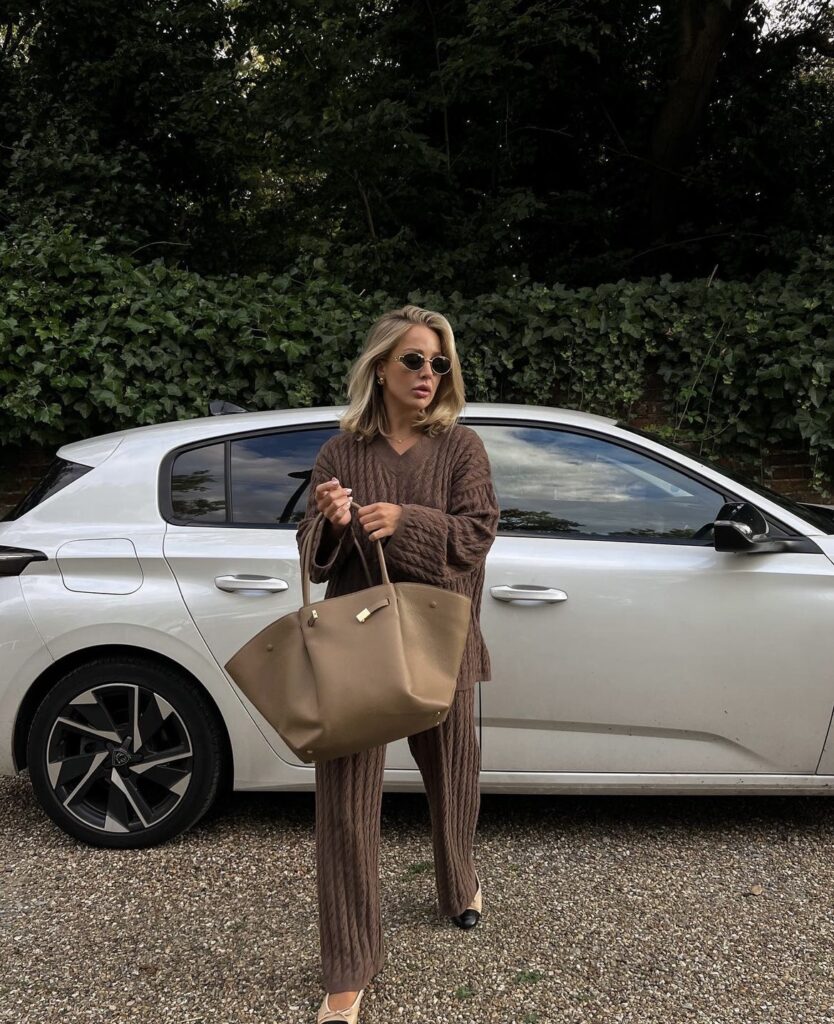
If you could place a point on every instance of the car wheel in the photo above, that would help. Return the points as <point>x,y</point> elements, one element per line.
<point>124,753</point>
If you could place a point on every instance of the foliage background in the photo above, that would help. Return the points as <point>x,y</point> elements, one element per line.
<point>214,199</point>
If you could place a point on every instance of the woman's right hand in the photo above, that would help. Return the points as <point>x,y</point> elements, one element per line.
<point>334,501</point>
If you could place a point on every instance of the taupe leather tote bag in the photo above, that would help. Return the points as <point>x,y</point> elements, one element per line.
<point>359,670</point>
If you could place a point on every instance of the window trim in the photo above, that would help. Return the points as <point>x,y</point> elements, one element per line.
<point>711,485</point>
<point>164,499</point>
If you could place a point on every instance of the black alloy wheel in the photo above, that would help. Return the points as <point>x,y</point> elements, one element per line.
<point>124,753</point>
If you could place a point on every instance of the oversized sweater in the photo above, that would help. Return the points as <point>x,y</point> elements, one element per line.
<point>448,523</point>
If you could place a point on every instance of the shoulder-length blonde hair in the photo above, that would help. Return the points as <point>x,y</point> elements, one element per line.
<point>365,415</point>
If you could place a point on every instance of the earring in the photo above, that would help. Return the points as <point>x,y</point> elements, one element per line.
<point>381,380</point>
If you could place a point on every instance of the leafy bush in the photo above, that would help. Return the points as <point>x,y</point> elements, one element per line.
<point>93,342</point>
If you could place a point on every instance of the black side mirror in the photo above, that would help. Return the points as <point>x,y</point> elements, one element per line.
<point>740,526</point>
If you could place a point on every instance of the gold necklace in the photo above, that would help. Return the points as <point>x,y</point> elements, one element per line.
<point>400,440</point>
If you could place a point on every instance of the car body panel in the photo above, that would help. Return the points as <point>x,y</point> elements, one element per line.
<point>23,657</point>
<point>151,619</point>
<point>578,703</point>
<point>662,658</point>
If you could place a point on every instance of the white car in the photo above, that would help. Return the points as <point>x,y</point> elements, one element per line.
<point>655,623</point>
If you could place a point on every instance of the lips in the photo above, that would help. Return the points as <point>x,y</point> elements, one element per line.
<point>421,391</point>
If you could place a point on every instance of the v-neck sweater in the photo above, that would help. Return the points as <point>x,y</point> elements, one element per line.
<point>448,523</point>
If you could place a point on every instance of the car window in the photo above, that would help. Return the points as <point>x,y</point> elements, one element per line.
<point>198,491</point>
<point>569,484</point>
<point>271,474</point>
<point>58,474</point>
<point>268,480</point>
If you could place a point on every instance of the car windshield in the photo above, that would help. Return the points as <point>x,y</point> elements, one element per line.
<point>821,518</point>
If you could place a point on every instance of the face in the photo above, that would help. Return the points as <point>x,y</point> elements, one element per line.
<point>402,384</point>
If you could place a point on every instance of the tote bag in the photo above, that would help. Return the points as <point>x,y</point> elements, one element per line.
<point>347,673</point>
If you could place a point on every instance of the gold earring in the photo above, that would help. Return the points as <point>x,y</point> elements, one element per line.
<point>381,380</point>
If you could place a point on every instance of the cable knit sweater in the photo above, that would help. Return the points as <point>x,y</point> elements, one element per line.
<point>448,523</point>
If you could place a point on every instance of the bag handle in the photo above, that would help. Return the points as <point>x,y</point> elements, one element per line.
<point>307,557</point>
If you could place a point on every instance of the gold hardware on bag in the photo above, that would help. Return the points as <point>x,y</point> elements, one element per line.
<point>366,612</point>
<point>313,616</point>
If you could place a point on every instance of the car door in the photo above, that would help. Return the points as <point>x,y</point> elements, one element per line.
<point>232,507</point>
<point>621,640</point>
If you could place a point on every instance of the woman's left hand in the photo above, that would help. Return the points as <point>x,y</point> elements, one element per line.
<point>379,519</point>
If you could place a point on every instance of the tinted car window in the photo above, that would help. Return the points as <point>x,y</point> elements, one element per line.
<point>819,515</point>
<point>271,474</point>
<point>198,489</point>
<point>568,484</point>
<point>59,473</point>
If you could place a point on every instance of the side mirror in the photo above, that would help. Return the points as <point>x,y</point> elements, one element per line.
<point>740,526</point>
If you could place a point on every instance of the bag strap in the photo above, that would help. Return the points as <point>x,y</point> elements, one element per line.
<point>307,557</point>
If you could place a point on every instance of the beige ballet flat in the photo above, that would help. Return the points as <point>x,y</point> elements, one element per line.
<point>346,1016</point>
<point>472,915</point>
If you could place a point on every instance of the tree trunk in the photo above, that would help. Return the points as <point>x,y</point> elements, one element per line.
<point>704,28</point>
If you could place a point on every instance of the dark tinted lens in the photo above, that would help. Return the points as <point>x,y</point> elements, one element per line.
<point>441,364</point>
<point>413,360</point>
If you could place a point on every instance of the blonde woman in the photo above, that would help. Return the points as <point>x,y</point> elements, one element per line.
<point>403,471</point>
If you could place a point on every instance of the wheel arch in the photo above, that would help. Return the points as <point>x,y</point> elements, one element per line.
<point>47,679</point>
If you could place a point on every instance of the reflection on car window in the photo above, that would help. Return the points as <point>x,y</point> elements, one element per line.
<point>819,516</point>
<point>556,481</point>
<point>271,474</point>
<point>197,487</point>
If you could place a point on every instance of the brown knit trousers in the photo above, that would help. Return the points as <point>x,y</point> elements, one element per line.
<point>348,811</point>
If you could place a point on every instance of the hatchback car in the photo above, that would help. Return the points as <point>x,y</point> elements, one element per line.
<point>655,623</point>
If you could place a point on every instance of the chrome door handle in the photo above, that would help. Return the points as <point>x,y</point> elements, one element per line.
<point>245,581</point>
<point>528,592</point>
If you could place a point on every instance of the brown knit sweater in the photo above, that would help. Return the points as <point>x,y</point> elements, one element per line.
<point>449,520</point>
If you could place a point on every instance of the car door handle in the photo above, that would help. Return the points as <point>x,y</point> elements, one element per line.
<point>528,592</point>
<point>245,581</point>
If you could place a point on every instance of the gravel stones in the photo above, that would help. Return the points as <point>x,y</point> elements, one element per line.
<point>596,909</point>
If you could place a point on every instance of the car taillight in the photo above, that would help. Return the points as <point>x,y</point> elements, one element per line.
<point>14,560</point>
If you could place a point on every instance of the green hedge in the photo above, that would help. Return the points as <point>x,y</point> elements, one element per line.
<point>91,342</point>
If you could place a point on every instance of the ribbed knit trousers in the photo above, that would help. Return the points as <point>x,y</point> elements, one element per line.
<point>348,813</point>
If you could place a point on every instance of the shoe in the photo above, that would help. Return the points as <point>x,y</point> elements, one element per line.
<point>472,915</point>
<point>347,1016</point>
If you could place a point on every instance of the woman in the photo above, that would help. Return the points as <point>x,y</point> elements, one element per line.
<point>423,486</point>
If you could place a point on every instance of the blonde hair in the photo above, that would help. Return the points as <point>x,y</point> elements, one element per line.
<point>365,415</point>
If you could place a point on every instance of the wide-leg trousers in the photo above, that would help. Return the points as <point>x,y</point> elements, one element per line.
<point>348,813</point>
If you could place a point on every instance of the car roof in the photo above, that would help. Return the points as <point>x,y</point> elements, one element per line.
<point>91,451</point>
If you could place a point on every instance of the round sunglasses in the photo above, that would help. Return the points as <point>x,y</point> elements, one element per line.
<point>414,361</point>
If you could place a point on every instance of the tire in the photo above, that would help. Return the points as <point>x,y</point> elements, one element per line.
<point>88,773</point>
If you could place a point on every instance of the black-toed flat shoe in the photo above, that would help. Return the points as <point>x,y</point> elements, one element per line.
<point>472,915</point>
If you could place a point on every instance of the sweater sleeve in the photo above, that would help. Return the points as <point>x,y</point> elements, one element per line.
<point>326,544</point>
<point>433,546</point>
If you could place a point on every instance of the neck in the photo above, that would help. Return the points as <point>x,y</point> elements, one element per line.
<point>400,424</point>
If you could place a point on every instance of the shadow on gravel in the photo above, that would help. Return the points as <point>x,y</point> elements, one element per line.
<point>504,815</point>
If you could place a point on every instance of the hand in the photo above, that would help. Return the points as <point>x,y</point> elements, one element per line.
<point>380,519</point>
<point>334,501</point>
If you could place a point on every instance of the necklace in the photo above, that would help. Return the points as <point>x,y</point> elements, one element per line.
<point>400,440</point>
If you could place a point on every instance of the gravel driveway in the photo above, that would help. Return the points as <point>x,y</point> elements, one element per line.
<point>597,909</point>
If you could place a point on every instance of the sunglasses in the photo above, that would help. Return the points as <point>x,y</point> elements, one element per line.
<point>415,360</point>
